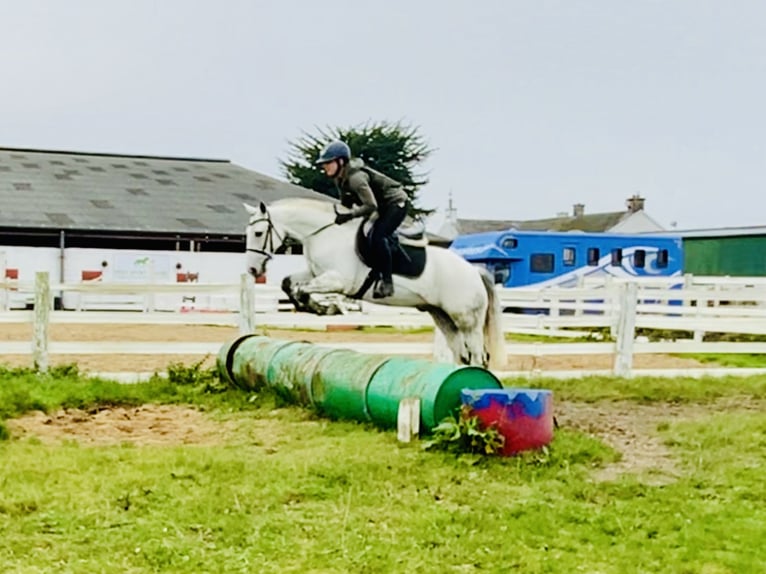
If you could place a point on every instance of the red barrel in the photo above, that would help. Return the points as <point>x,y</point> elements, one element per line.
<point>523,416</point>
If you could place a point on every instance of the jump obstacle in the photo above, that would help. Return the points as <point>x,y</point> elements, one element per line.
<point>346,384</point>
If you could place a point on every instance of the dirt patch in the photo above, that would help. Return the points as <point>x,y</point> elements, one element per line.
<point>144,425</point>
<point>130,332</point>
<point>154,425</point>
<point>629,428</point>
<point>632,430</point>
<point>223,334</point>
<point>598,362</point>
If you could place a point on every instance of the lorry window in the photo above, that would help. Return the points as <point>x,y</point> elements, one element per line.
<point>509,243</point>
<point>639,259</point>
<point>502,273</point>
<point>662,258</point>
<point>541,263</point>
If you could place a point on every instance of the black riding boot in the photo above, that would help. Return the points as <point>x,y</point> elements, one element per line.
<point>385,287</point>
<point>391,217</point>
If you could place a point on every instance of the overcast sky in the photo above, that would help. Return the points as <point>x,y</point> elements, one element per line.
<point>532,106</point>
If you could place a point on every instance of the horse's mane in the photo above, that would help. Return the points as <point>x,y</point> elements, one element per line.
<point>305,203</point>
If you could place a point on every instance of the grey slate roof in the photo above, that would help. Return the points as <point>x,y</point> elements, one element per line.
<point>87,191</point>
<point>590,222</point>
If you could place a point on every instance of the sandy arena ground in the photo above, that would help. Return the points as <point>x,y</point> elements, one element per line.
<point>218,334</point>
<point>629,428</point>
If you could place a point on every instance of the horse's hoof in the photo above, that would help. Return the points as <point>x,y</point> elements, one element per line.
<point>287,286</point>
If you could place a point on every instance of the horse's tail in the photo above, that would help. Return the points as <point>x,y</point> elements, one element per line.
<point>494,336</point>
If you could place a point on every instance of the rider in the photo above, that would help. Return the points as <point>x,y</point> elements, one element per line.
<point>373,191</point>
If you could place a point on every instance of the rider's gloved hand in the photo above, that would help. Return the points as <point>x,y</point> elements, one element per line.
<point>347,200</point>
<point>341,218</point>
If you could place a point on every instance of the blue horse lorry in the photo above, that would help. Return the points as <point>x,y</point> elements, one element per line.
<point>562,259</point>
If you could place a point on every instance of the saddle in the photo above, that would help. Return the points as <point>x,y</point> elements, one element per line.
<point>410,232</point>
<point>408,251</point>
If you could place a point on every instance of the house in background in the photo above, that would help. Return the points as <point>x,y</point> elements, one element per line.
<point>631,220</point>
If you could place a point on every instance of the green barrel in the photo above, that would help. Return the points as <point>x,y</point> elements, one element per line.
<point>292,369</point>
<point>437,385</point>
<point>251,358</point>
<point>339,383</point>
<point>224,360</point>
<point>227,354</point>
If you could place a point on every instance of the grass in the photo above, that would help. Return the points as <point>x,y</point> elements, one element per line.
<point>345,497</point>
<point>737,360</point>
<point>529,338</point>
<point>23,390</point>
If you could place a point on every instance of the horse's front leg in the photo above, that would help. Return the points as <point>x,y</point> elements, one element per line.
<point>292,284</point>
<point>327,282</point>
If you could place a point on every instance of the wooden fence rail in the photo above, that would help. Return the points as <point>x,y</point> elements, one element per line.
<point>695,306</point>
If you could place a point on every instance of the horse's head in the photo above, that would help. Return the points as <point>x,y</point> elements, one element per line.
<point>263,239</point>
<point>285,222</point>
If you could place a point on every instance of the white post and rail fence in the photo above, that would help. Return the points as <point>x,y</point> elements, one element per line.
<point>681,315</point>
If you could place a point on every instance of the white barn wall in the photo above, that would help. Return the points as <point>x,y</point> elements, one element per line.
<point>28,261</point>
<point>139,266</point>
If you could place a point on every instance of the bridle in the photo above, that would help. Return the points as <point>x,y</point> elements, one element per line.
<point>268,250</point>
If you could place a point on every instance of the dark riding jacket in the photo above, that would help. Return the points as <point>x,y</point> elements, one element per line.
<point>371,189</point>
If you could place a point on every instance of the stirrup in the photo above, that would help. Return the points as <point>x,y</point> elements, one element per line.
<point>383,289</point>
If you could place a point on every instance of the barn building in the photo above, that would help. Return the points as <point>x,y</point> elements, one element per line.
<point>84,216</point>
<point>733,251</point>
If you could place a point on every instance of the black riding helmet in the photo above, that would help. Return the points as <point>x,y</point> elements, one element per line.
<point>332,151</point>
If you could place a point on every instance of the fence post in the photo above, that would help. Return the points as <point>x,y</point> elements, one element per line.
<point>408,419</point>
<point>686,287</point>
<point>580,302</point>
<point>4,280</point>
<point>41,321</point>
<point>554,308</point>
<point>149,303</point>
<point>699,333</point>
<point>246,304</point>
<point>626,330</point>
<point>612,303</point>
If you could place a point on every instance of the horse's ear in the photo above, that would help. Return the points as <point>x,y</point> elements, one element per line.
<point>250,209</point>
<point>263,208</point>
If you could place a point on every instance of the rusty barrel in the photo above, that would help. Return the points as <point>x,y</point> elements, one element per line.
<point>437,385</point>
<point>332,380</point>
<point>321,377</point>
<point>345,384</point>
<point>244,362</point>
<point>340,380</point>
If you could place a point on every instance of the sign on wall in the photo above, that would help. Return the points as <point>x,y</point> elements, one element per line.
<point>142,268</point>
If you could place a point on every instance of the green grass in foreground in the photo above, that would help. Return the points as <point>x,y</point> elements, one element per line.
<point>286,492</point>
